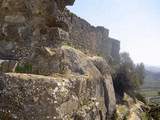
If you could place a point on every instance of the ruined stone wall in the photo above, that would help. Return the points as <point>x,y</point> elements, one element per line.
<point>40,23</point>
<point>87,37</point>
<point>27,24</point>
<point>42,79</point>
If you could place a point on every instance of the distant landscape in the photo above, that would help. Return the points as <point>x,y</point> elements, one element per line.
<point>152,78</point>
<point>151,87</point>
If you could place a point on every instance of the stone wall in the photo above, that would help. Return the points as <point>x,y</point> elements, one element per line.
<point>25,25</point>
<point>95,39</point>
<point>42,79</point>
<point>30,24</point>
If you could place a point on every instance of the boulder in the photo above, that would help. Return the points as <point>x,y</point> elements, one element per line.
<point>37,97</point>
<point>132,110</point>
<point>89,93</point>
<point>105,70</point>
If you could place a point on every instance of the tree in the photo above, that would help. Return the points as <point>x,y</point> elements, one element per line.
<point>140,71</point>
<point>128,76</point>
<point>134,73</point>
<point>125,58</point>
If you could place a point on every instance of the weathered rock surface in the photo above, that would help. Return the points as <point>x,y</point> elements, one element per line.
<point>42,23</point>
<point>25,25</point>
<point>84,90</point>
<point>36,97</point>
<point>40,78</point>
<point>131,110</point>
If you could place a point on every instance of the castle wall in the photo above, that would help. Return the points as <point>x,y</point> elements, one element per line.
<point>91,38</point>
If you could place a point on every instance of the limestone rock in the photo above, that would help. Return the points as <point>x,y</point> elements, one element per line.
<point>36,97</point>
<point>90,86</point>
<point>37,23</point>
<point>131,110</point>
<point>40,77</point>
<point>104,69</point>
<point>28,24</point>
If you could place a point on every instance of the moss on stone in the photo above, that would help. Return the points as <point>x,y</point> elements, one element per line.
<point>26,68</point>
<point>144,116</point>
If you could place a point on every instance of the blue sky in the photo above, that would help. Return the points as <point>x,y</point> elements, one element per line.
<point>136,23</point>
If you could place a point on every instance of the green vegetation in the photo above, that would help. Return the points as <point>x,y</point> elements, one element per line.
<point>140,97</point>
<point>26,68</point>
<point>134,74</point>
<point>151,82</point>
<point>151,88</point>
<point>155,112</point>
<point>128,76</point>
<point>149,92</point>
<point>145,116</point>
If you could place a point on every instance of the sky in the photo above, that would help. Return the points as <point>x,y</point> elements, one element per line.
<point>136,23</point>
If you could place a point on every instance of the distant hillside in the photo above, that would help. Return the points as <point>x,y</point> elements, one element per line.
<point>152,75</point>
<point>153,69</point>
<point>152,78</point>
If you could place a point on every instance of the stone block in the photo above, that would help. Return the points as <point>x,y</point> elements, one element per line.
<point>15,19</point>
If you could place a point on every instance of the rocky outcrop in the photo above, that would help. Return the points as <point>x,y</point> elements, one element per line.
<point>131,110</point>
<point>84,90</point>
<point>40,77</point>
<point>36,97</point>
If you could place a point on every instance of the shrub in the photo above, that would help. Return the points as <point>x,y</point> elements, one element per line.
<point>26,68</point>
<point>127,76</point>
<point>155,112</point>
<point>140,97</point>
<point>145,116</point>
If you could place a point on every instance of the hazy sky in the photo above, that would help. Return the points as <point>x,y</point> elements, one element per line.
<point>136,23</point>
